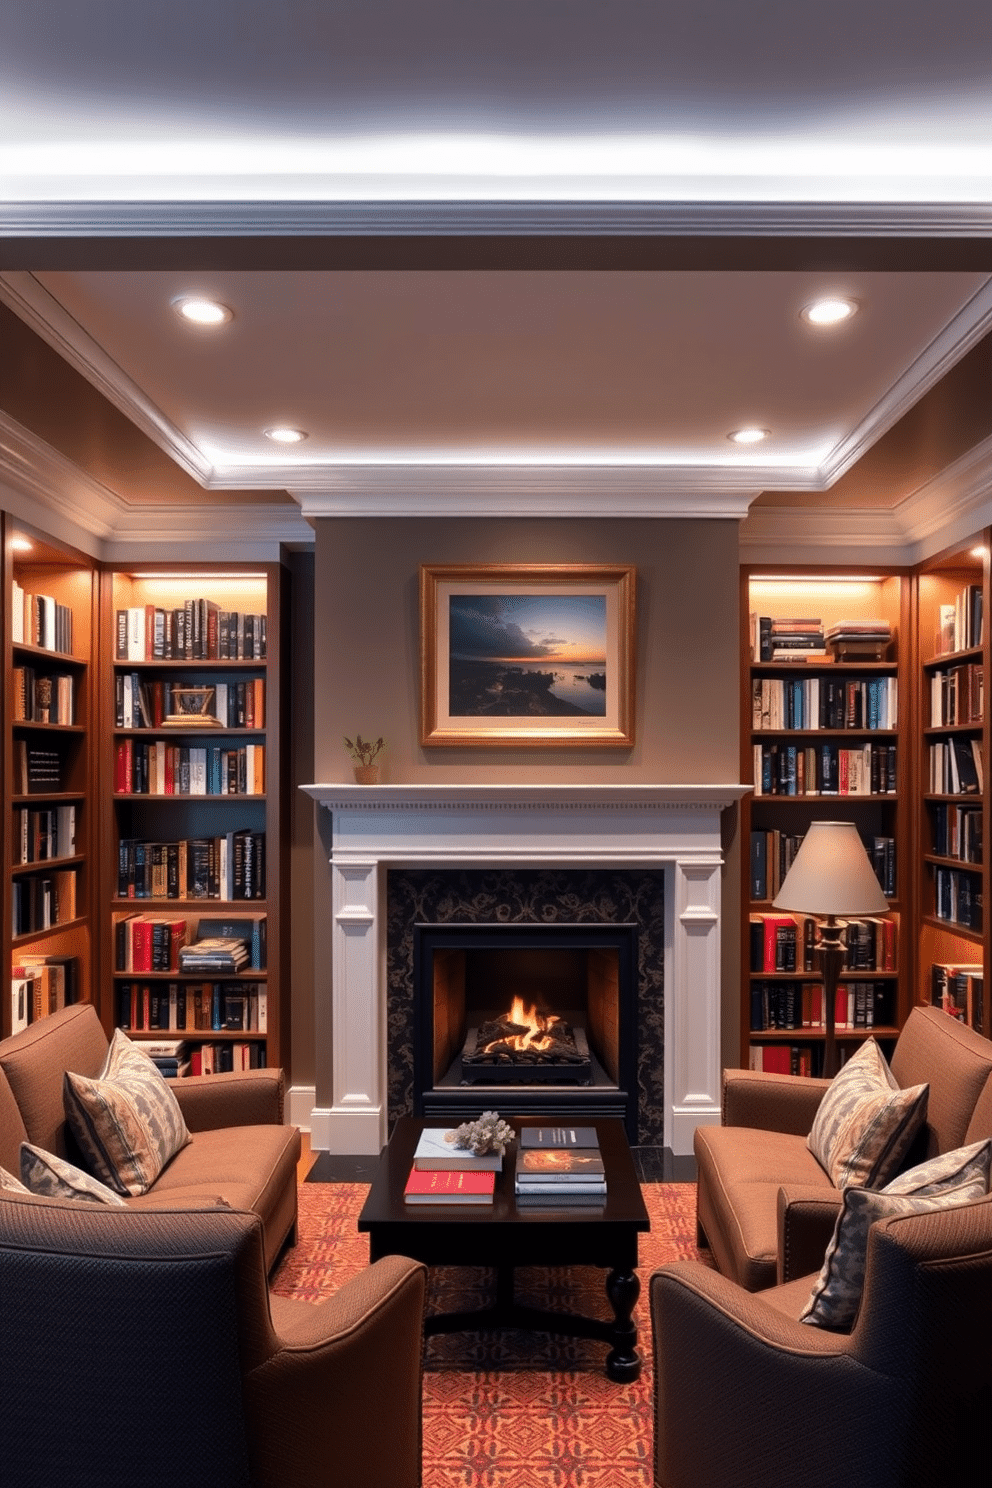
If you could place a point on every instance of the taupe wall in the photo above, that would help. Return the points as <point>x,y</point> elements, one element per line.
<point>366,670</point>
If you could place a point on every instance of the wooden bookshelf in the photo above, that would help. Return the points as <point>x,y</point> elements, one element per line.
<point>824,739</point>
<point>952,821</point>
<point>193,816</point>
<point>49,753</point>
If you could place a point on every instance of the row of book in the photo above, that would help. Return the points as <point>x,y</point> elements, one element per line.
<point>781,943</point>
<point>958,897</point>
<point>772,853</point>
<point>183,1007</point>
<point>160,768</point>
<point>45,832</point>
<point>146,702</point>
<point>957,695</point>
<point>958,831</point>
<point>40,902</point>
<point>956,767</point>
<point>147,942</point>
<point>960,991</point>
<point>43,698</point>
<point>39,620</point>
<point>224,867</point>
<point>787,1005</point>
<point>41,985</point>
<point>178,1058</point>
<point>198,630</point>
<point>814,702</point>
<point>960,623</point>
<point>37,769</point>
<point>824,769</point>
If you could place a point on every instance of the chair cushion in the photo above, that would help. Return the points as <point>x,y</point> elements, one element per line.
<point>10,1184</point>
<point>54,1178</point>
<point>127,1121</point>
<point>865,1124</point>
<point>941,1182</point>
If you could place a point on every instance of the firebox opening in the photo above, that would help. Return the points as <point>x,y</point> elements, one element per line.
<point>528,1013</point>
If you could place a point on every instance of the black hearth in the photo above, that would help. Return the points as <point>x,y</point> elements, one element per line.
<point>557,1006</point>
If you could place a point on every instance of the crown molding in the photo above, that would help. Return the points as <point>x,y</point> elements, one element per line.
<point>22,293</point>
<point>59,492</point>
<point>528,491</point>
<point>391,215</point>
<point>949,346</point>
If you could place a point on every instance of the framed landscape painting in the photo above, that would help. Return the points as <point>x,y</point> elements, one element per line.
<point>527,654</point>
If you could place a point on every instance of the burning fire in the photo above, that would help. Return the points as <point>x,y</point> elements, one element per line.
<point>537,1025</point>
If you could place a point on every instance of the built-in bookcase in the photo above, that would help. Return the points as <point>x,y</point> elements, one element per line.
<point>49,749</point>
<point>823,738</point>
<point>952,888</point>
<point>192,828</point>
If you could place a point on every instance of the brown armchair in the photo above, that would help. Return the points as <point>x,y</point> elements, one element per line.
<point>143,1347</point>
<point>745,1394</point>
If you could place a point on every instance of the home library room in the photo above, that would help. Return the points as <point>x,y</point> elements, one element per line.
<point>49,625</point>
<point>863,702</point>
<point>193,812</point>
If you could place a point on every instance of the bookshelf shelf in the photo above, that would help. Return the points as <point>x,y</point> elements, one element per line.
<point>205,612</point>
<point>848,699</point>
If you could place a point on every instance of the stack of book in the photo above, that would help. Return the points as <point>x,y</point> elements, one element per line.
<point>445,1174</point>
<point>559,1166</point>
<point>786,639</point>
<point>215,953</point>
<point>171,1056</point>
<point>859,640</point>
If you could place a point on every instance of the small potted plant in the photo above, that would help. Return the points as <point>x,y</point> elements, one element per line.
<point>365,755</point>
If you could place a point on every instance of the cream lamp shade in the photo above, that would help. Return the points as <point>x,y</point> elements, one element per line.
<point>831,875</point>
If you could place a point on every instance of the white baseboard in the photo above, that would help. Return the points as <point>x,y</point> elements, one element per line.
<point>300,1101</point>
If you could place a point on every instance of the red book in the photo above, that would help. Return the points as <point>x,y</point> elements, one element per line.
<point>442,1186</point>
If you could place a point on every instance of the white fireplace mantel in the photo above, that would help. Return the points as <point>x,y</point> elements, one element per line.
<point>675,827</point>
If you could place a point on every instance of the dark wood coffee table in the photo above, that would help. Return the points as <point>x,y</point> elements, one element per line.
<point>503,1236</point>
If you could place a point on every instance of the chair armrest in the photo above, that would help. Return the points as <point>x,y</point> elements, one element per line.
<point>806,1219</point>
<point>354,1363</point>
<point>238,1098</point>
<point>782,1103</point>
<point>727,1362</point>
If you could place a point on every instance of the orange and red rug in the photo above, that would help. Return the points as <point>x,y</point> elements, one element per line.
<point>512,1409</point>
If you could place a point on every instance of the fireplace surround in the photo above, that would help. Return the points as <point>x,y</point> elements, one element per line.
<point>365,830</point>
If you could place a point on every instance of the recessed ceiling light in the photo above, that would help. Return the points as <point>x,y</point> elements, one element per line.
<point>21,544</point>
<point>202,312</point>
<point>283,435</point>
<point>749,436</point>
<point>830,311</point>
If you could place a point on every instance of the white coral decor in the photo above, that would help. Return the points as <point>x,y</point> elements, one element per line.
<point>489,1134</point>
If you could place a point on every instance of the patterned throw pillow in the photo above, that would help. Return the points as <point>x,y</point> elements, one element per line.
<point>865,1124</point>
<point>54,1178</point>
<point>127,1121</point>
<point>943,1182</point>
<point>10,1184</point>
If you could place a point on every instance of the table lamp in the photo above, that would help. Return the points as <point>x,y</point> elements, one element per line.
<point>831,876</point>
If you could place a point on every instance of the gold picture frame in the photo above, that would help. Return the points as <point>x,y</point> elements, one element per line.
<point>527,654</point>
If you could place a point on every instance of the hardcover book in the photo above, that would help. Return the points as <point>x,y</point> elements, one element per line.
<point>448,1187</point>
<point>560,1165</point>
<point>559,1136</point>
<point>436,1151</point>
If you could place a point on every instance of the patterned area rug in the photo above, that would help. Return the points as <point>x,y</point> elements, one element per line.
<point>529,1410</point>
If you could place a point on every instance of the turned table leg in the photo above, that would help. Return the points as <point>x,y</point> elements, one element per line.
<point>623,1363</point>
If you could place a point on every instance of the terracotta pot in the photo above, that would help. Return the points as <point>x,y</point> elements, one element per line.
<point>367,774</point>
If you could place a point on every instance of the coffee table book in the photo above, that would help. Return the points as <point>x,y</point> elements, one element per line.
<point>447,1187</point>
<point>560,1166</point>
<point>435,1153</point>
<point>559,1137</point>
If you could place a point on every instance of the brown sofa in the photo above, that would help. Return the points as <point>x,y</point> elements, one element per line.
<point>241,1152</point>
<point>765,1207</point>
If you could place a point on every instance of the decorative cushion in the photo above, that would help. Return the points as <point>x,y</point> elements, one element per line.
<point>10,1184</point>
<point>942,1182</point>
<point>865,1124</point>
<point>54,1178</point>
<point>127,1121</point>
